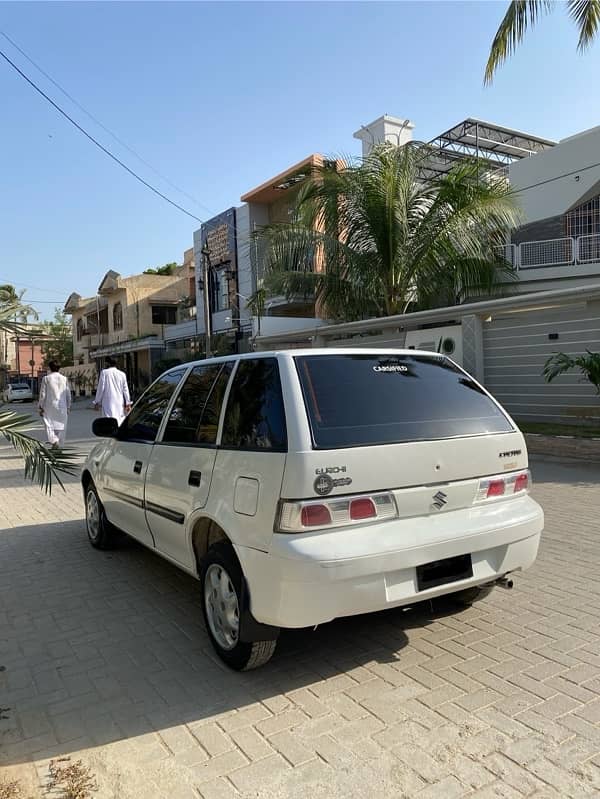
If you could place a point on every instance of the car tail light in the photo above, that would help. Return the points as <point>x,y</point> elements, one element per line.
<point>363,508</point>
<point>521,483</point>
<point>315,516</point>
<point>495,488</point>
<point>296,516</point>
<point>503,485</point>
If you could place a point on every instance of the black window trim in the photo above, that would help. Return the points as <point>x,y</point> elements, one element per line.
<point>278,450</point>
<point>159,438</point>
<point>185,368</point>
<point>318,448</point>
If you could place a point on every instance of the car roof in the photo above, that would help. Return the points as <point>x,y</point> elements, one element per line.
<point>316,351</point>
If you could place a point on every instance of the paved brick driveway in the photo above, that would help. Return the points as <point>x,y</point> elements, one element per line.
<point>104,656</point>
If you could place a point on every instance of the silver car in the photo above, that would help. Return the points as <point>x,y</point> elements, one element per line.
<point>17,392</point>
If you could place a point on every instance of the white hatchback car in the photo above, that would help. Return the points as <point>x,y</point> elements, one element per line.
<point>17,392</point>
<point>305,485</point>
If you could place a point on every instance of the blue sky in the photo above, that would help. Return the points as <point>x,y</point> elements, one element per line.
<point>221,96</point>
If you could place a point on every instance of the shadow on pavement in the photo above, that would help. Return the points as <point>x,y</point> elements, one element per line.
<point>100,646</point>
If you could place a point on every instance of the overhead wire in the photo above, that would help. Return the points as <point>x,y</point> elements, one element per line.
<point>96,142</point>
<point>101,124</point>
<point>5,281</point>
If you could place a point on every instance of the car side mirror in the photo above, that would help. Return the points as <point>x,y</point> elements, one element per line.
<point>106,427</point>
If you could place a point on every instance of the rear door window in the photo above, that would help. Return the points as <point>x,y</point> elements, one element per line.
<point>361,400</point>
<point>255,416</point>
<point>194,419</point>
<point>145,417</point>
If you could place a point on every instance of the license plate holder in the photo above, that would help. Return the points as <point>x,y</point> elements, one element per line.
<point>443,572</point>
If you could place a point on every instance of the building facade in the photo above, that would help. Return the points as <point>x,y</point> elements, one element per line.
<point>21,355</point>
<point>559,192</point>
<point>127,320</point>
<point>235,264</point>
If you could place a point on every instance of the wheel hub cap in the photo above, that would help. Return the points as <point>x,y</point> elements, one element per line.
<point>92,515</point>
<point>222,607</point>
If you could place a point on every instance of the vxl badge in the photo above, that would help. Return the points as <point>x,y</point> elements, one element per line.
<point>439,500</point>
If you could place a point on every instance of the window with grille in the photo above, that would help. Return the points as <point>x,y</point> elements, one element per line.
<point>117,316</point>
<point>584,220</point>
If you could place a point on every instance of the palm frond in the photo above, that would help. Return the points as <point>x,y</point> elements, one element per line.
<point>556,365</point>
<point>589,365</point>
<point>586,14</point>
<point>42,465</point>
<point>520,15</point>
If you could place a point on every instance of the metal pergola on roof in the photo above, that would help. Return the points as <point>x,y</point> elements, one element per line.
<point>496,146</point>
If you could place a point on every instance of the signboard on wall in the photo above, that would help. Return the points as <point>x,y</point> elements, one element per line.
<point>218,234</point>
<point>218,238</point>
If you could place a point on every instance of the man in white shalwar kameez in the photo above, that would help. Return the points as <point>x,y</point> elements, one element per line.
<point>113,393</point>
<point>54,404</point>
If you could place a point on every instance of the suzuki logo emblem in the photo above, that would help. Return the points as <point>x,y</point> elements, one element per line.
<point>439,500</point>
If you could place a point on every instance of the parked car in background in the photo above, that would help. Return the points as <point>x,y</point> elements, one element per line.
<point>17,392</point>
<point>305,485</point>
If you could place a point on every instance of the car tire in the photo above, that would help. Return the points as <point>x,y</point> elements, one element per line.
<point>221,581</point>
<point>469,596</point>
<point>101,533</point>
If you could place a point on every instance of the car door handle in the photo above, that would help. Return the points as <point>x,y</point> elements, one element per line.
<point>137,467</point>
<point>194,478</point>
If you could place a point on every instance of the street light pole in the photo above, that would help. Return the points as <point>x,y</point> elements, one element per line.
<point>206,297</point>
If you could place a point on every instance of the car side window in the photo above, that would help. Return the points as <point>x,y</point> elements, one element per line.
<point>195,415</point>
<point>145,417</point>
<point>255,416</point>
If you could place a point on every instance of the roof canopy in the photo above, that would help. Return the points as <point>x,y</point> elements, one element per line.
<point>496,145</point>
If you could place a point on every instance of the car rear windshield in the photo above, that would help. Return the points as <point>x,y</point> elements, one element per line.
<point>360,400</point>
<point>20,387</point>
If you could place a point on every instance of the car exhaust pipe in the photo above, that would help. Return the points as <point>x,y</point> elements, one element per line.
<point>505,582</point>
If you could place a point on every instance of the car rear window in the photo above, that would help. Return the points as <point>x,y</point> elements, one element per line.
<point>360,400</point>
<point>20,386</point>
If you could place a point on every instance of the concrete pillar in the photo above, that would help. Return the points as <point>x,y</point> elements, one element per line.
<point>472,336</point>
<point>385,129</point>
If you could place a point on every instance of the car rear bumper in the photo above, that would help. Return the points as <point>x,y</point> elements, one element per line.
<point>312,578</point>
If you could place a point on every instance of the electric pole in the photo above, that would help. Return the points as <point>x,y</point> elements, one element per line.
<point>206,297</point>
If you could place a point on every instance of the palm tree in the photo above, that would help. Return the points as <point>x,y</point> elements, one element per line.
<point>374,237</point>
<point>523,14</point>
<point>587,364</point>
<point>41,464</point>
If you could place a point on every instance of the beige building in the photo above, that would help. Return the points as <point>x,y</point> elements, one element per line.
<point>127,319</point>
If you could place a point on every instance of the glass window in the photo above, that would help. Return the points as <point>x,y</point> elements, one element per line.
<point>145,417</point>
<point>117,316</point>
<point>255,417</point>
<point>195,415</point>
<point>361,400</point>
<point>164,314</point>
<point>219,298</point>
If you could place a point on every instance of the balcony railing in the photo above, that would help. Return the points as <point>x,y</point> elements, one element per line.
<point>566,251</point>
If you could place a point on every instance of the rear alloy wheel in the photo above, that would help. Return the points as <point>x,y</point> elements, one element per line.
<point>101,532</point>
<point>221,579</point>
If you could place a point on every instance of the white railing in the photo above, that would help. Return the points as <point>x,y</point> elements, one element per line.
<point>566,251</point>
<point>588,249</point>
<point>550,252</point>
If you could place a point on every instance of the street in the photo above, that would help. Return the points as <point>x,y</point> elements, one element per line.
<point>79,429</point>
<point>104,658</point>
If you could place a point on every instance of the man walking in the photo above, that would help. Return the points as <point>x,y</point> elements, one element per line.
<point>54,405</point>
<point>113,392</point>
